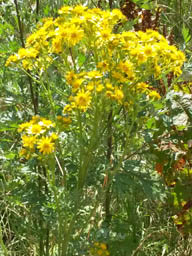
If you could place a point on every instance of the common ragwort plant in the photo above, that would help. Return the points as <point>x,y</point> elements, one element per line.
<point>94,86</point>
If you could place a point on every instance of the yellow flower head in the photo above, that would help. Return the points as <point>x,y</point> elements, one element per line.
<point>22,53</point>
<point>65,10</point>
<point>77,83</point>
<point>105,34</point>
<point>66,120</point>
<point>45,145</point>
<point>103,246</point>
<point>99,87</point>
<point>46,123</point>
<point>28,141</point>
<point>79,9</point>
<point>154,95</point>
<point>67,108</point>
<point>57,45</point>
<point>149,51</point>
<point>99,252</point>
<point>35,129</point>
<point>103,65</point>
<point>35,119</point>
<point>94,74</point>
<point>11,59</point>
<point>82,100</point>
<point>70,76</point>
<point>118,95</point>
<point>75,35</point>
<point>142,87</point>
<point>25,153</point>
<point>23,126</point>
<point>54,136</point>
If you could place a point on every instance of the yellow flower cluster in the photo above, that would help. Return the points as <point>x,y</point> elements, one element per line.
<point>118,64</point>
<point>37,134</point>
<point>99,249</point>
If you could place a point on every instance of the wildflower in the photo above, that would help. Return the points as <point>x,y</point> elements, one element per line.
<point>118,15</point>
<point>57,45</point>
<point>105,34</point>
<point>109,86</point>
<point>70,76</point>
<point>99,87</point>
<point>118,76</point>
<point>31,39</point>
<point>54,136</point>
<point>66,120</point>
<point>46,123</point>
<point>77,83</point>
<point>27,65</point>
<point>103,246</point>
<point>126,66</point>
<point>79,9</point>
<point>109,94</point>
<point>12,58</point>
<point>177,71</point>
<point>157,70</point>
<point>22,53</point>
<point>75,35</point>
<point>63,33</point>
<point>154,95</point>
<point>118,95</point>
<point>23,126</point>
<point>142,86</point>
<point>99,252</point>
<point>67,108</point>
<point>35,119</point>
<point>90,86</point>
<point>83,100</point>
<point>32,53</point>
<point>28,141</point>
<point>24,153</point>
<point>35,129</point>
<point>141,57</point>
<point>45,145</point>
<point>65,10</point>
<point>103,65</point>
<point>149,51</point>
<point>94,74</point>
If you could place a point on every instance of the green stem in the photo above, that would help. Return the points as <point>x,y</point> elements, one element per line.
<point>53,187</point>
<point>93,143</point>
<point>2,243</point>
<point>108,184</point>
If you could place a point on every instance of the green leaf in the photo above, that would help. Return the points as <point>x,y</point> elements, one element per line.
<point>151,123</point>
<point>10,156</point>
<point>186,34</point>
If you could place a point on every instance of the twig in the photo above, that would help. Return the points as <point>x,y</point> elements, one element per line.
<point>142,243</point>
<point>111,4</point>
<point>33,98</point>
<point>19,23</point>
<point>37,10</point>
